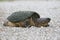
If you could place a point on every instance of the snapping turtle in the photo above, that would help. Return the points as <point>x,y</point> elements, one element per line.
<point>20,18</point>
<point>26,18</point>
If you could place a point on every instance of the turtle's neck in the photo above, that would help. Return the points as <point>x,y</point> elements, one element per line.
<point>35,20</point>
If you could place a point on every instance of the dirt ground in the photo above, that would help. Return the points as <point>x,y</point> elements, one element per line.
<point>50,9</point>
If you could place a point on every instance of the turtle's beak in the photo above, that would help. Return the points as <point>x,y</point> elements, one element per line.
<point>48,19</point>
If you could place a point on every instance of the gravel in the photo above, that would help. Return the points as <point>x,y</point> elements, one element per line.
<point>49,9</point>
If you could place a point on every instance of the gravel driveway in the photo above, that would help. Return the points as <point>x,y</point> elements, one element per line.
<point>49,9</point>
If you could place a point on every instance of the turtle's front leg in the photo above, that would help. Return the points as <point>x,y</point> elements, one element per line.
<point>46,25</point>
<point>27,23</point>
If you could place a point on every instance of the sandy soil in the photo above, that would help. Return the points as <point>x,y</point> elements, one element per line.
<point>49,9</point>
